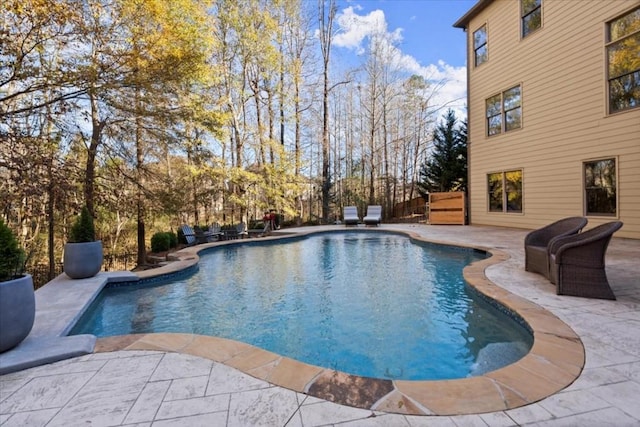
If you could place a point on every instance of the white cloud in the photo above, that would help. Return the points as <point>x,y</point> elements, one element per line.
<point>355,31</point>
<point>449,83</point>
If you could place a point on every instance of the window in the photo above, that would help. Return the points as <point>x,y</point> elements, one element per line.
<point>600,187</point>
<point>494,115</point>
<point>480,45</point>
<point>512,108</point>
<point>504,111</point>
<point>496,192</point>
<point>505,191</point>
<point>623,57</point>
<point>531,12</point>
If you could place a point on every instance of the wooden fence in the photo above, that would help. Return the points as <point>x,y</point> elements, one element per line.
<point>417,206</point>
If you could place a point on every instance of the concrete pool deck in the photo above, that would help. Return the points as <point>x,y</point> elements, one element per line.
<point>177,379</point>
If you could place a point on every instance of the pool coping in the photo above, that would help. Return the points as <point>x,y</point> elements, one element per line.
<point>554,361</point>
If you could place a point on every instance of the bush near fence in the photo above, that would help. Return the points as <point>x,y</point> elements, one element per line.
<point>111,262</point>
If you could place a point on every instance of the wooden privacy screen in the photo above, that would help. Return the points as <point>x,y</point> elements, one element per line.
<point>446,208</point>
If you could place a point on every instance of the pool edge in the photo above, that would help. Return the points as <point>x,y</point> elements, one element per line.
<point>555,360</point>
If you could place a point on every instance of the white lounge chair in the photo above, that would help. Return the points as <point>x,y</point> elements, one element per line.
<point>374,215</point>
<point>350,216</point>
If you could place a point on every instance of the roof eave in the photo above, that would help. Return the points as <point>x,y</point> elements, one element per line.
<point>475,10</point>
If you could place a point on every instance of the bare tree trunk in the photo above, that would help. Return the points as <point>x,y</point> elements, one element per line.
<point>385,154</point>
<point>416,152</point>
<point>326,34</point>
<point>194,188</point>
<point>298,153</point>
<point>51,191</point>
<point>255,86</point>
<point>281,89</point>
<point>142,254</point>
<point>142,250</point>
<point>272,120</point>
<point>326,178</point>
<point>97,126</point>
<point>372,149</point>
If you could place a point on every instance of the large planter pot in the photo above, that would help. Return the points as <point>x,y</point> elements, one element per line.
<point>17,311</point>
<point>82,260</point>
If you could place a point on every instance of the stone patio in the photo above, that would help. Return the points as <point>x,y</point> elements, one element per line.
<point>158,382</point>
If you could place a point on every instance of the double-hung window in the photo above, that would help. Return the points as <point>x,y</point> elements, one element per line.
<point>600,187</point>
<point>531,14</point>
<point>623,57</point>
<point>505,191</point>
<point>504,111</point>
<point>480,45</point>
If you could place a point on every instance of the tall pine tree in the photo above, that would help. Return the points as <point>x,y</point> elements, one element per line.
<point>445,169</point>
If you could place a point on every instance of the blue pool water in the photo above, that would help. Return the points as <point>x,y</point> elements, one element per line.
<point>366,303</point>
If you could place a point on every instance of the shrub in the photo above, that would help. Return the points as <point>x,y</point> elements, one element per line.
<point>173,239</point>
<point>83,230</point>
<point>12,256</point>
<point>160,242</point>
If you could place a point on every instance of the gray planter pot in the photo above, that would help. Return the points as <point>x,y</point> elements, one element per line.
<point>82,260</point>
<point>17,311</point>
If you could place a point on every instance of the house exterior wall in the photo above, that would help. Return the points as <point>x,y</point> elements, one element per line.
<point>562,71</point>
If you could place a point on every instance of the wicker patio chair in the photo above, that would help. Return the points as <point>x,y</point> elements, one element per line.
<point>536,243</point>
<point>577,262</point>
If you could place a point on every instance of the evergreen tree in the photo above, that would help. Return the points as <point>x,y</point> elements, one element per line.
<point>445,169</point>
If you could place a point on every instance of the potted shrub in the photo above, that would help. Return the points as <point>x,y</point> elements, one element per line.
<point>17,299</point>
<point>83,253</point>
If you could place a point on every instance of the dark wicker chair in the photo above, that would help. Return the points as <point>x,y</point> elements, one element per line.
<point>536,243</point>
<point>578,262</point>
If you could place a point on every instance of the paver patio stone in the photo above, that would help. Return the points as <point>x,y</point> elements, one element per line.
<point>599,339</point>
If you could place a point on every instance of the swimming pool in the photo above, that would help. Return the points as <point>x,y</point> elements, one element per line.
<point>367,303</point>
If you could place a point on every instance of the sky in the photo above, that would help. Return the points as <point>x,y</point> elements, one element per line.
<point>423,32</point>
